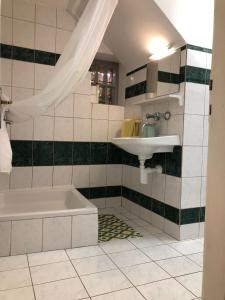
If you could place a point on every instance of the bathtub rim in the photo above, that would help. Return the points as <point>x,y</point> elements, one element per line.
<point>88,209</point>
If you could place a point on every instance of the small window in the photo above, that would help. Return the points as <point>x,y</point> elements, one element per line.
<point>105,75</point>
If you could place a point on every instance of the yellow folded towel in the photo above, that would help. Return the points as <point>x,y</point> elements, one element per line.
<point>130,128</point>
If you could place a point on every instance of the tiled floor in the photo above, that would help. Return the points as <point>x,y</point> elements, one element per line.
<point>152,267</point>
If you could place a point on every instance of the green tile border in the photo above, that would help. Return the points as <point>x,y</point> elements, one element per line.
<point>173,214</point>
<point>197,48</point>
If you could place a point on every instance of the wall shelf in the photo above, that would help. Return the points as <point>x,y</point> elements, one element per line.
<point>145,99</point>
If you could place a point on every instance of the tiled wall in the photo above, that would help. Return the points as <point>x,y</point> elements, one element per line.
<point>175,200</point>
<point>71,144</point>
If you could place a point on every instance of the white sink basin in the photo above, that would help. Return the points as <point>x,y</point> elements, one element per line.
<point>145,147</point>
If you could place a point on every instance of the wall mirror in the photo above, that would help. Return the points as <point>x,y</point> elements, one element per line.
<point>163,76</point>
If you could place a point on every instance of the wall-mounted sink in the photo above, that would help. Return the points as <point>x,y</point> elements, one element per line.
<point>145,148</point>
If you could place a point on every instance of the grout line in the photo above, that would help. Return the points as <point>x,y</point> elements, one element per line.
<point>31,276</point>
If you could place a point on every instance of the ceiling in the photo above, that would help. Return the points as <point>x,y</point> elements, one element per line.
<point>132,27</point>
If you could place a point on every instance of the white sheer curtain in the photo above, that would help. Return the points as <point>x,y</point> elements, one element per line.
<point>69,72</point>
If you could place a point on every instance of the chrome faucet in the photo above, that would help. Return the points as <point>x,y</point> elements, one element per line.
<point>157,115</point>
<point>3,102</point>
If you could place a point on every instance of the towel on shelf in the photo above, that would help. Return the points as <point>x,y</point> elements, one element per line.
<point>130,128</point>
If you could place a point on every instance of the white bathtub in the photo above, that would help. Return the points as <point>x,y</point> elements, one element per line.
<point>42,219</point>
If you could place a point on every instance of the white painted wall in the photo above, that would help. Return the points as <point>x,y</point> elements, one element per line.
<point>193,19</point>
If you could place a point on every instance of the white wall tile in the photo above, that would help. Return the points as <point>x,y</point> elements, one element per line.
<point>5,231</point>
<point>6,30</point>
<point>172,229</point>
<point>65,109</point>
<point>43,73</point>
<point>175,126</point>
<point>114,174</point>
<point>157,220</point>
<point>82,130</point>
<point>207,98</point>
<point>99,130</point>
<point>158,186</point>
<point>4,181</point>
<point>189,231</point>
<point>21,177</point>
<point>97,175</point>
<point>62,38</point>
<point>23,34</point>
<point>206,131</point>
<point>42,176</point>
<point>203,191</point>
<point>193,130</point>
<point>195,98</point>
<point>204,160</point>
<point>173,191</point>
<point>63,129</point>
<point>99,202</point>
<point>191,192</point>
<point>23,10</point>
<point>64,20</point>
<point>43,128</point>
<point>116,113</point>
<point>82,106</point>
<point>196,58</point>
<point>22,130</point>
<point>6,8</point>
<point>192,161</point>
<point>201,229</point>
<point>45,15</point>
<point>26,236</point>
<point>45,38</point>
<point>21,93</point>
<point>114,129</point>
<point>6,71</point>
<point>100,112</point>
<point>56,233</point>
<point>81,176</point>
<point>23,74</point>
<point>84,230</point>
<point>208,60</point>
<point>62,175</point>
<point>113,202</point>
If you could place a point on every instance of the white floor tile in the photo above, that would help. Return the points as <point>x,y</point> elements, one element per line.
<point>93,264</point>
<point>193,282</point>
<point>116,246</point>
<point>128,294</point>
<point>197,258</point>
<point>129,258</point>
<point>14,279</point>
<point>188,247</point>
<point>84,252</point>
<point>168,289</point>
<point>105,282</point>
<point>52,272</point>
<point>160,252</point>
<point>69,289</point>
<point>145,273</point>
<point>146,241</point>
<point>25,293</point>
<point>179,266</point>
<point>141,222</point>
<point>13,262</point>
<point>42,258</point>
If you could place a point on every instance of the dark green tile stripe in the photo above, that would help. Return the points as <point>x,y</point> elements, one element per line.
<point>48,153</point>
<point>136,89</point>
<point>197,48</point>
<point>101,192</point>
<point>168,77</point>
<point>173,214</point>
<point>194,75</point>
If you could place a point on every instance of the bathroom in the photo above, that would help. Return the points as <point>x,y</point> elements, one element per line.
<point>107,193</point>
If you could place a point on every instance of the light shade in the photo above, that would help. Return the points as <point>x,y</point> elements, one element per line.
<point>162,53</point>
